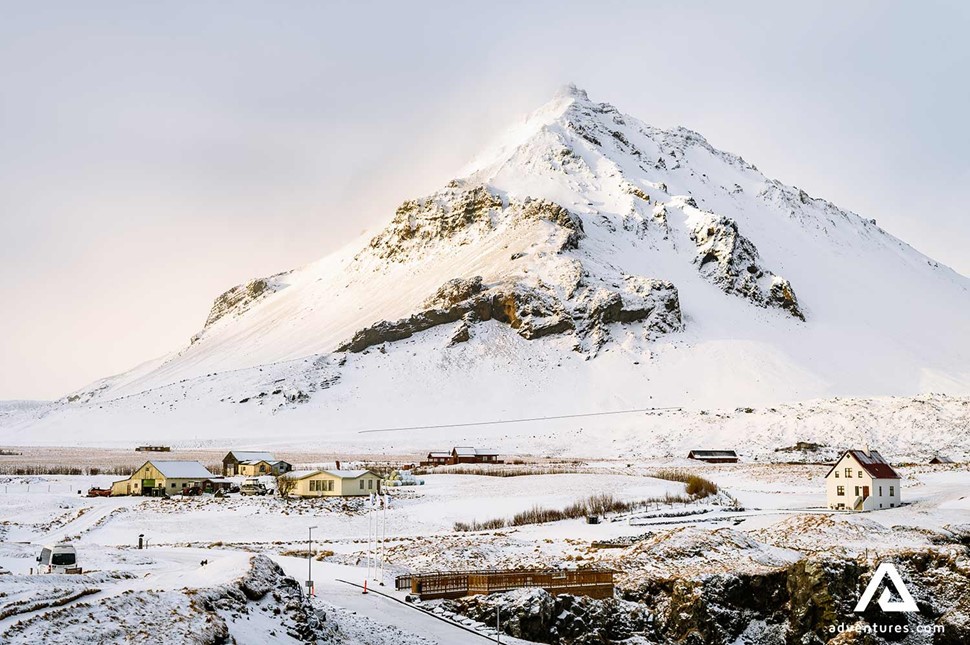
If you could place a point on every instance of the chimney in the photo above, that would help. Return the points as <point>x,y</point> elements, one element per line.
<point>867,450</point>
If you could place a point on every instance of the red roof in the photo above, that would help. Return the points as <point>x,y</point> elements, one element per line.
<point>873,463</point>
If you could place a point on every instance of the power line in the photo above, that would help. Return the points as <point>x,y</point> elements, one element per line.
<point>521,420</point>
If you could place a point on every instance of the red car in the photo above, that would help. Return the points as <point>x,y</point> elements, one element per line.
<point>99,492</point>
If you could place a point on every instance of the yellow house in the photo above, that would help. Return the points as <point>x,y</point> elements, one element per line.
<point>334,483</point>
<point>162,478</point>
<point>256,468</point>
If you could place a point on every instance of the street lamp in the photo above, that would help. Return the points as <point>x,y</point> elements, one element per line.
<point>309,561</point>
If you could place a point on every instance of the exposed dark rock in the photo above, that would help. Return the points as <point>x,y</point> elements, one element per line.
<point>545,210</point>
<point>459,210</point>
<point>536,615</point>
<point>809,602</point>
<point>731,261</point>
<point>239,299</point>
<point>531,313</point>
<point>454,291</point>
<point>462,333</point>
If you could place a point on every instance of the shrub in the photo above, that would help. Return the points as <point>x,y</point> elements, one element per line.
<point>697,487</point>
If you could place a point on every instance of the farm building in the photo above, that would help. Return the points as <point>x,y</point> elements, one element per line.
<point>714,456</point>
<point>334,483</point>
<point>862,480</point>
<point>257,467</point>
<point>159,478</point>
<point>440,458</point>
<point>462,455</point>
<point>466,455</point>
<point>231,462</point>
<point>940,459</point>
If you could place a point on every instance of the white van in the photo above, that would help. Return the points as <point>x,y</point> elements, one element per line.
<point>58,558</point>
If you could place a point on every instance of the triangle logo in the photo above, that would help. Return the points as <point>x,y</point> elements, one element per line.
<point>886,603</point>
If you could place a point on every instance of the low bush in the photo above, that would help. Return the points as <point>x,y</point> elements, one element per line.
<point>697,487</point>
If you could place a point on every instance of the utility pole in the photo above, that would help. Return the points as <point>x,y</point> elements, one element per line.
<point>498,624</point>
<point>309,561</point>
<point>372,539</point>
<point>383,535</point>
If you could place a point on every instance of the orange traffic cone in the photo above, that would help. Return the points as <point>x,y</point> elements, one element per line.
<point>365,585</point>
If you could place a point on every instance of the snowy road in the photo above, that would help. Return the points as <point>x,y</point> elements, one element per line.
<point>331,585</point>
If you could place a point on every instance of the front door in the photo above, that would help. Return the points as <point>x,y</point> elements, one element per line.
<point>865,492</point>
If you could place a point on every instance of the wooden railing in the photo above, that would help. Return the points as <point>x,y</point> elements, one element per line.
<point>596,583</point>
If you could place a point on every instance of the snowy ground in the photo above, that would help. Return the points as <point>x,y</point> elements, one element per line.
<point>780,519</point>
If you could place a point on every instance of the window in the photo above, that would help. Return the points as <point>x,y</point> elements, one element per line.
<point>848,473</point>
<point>840,490</point>
<point>173,485</point>
<point>892,491</point>
<point>330,485</point>
<point>880,493</point>
<point>370,484</point>
<point>892,506</point>
<point>860,474</point>
<point>313,485</point>
<point>856,491</point>
<point>836,474</point>
<point>63,559</point>
<point>880,506</point>
<point>362,484</point>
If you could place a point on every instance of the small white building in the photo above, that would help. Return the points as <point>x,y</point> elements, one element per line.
<point>861,480</point>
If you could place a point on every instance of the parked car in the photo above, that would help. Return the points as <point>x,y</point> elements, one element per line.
<point>191,491</point>
<point>58,558</point>
<point>253,487</point>
<point>94,491</point>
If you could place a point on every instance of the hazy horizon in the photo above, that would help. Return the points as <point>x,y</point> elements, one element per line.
<point>157,156</point>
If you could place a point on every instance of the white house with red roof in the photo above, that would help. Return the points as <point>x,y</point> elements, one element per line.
<point>862,480</point>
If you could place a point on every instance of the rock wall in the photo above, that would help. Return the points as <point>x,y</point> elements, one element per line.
<point>810,602</point>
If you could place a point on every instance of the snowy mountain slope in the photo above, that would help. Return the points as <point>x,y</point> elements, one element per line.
<point>586,262</point>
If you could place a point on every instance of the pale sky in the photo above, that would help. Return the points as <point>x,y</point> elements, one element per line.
<point>153,155</point>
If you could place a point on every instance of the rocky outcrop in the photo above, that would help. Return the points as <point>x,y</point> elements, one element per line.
<point>730,261</point>
<point>550,212</point>
<point>808,602</point>
<point>460,213</point>
<point>655,303</point>
<point>240,298</point>
<point>534,312</point>
<point>538,616</point>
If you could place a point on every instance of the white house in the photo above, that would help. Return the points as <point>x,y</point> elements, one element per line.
<point>861,480</point>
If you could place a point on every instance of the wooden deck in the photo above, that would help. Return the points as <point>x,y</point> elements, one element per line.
<point>595,583</point>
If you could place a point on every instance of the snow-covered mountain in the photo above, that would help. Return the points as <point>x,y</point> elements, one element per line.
<point>587,262</point>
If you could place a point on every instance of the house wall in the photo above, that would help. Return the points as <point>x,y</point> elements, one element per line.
<point>255,470</point>
<point>303,487</point>
<point>352,487</point>
<point>341,487</point>
<point>881,498</point>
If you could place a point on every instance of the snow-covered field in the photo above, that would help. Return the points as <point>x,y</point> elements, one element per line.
<point>777,519</point>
